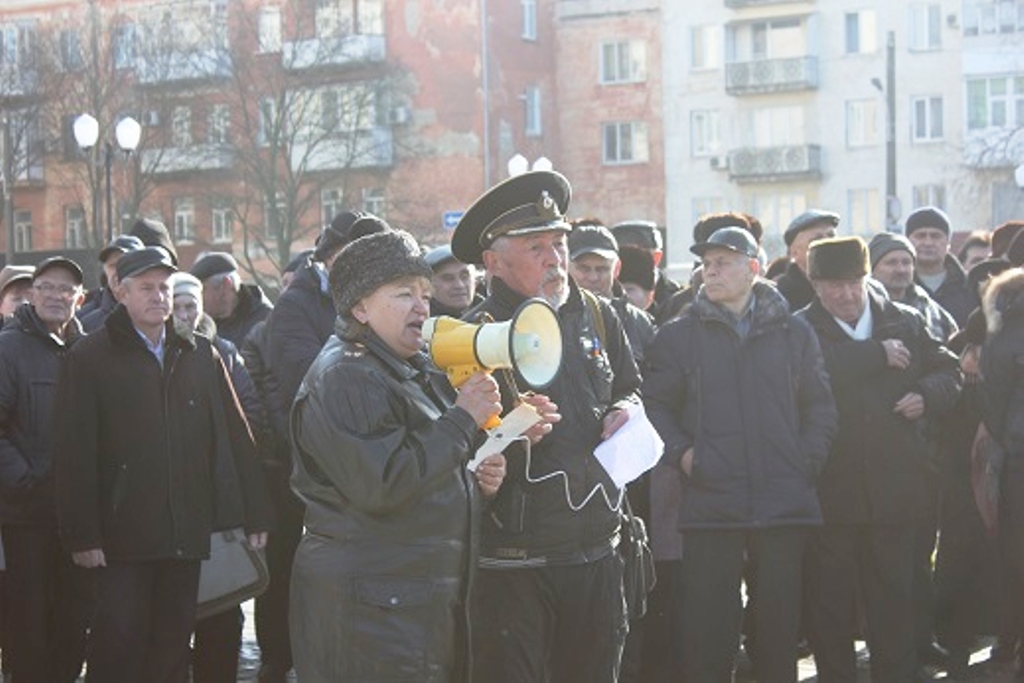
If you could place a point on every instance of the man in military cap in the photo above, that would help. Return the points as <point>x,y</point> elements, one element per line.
<point>234,306</point>
<point>454,283</point>
<point>646,235</point>
<point>804,229</point>
<point>549,591</point>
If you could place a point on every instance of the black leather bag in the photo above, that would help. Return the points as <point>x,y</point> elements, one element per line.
<point>638,577</point>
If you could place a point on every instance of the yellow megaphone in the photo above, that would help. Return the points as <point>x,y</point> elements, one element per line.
<point>529,343</point>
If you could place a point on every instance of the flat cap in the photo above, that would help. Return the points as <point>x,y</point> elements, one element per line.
<point>639,233</point>
<point>733,238</point>
<point>885,242</point>
<point>59,262</point>
<point>154,233</point>
<point>837,258</point>
<point>528,203</point>
<point>213,263</point>
<point>121,244</point>
<point>592,238</point>
<point>139,261</point>
<point>808,219</point>
<point>11,274</point>
<point>927,217</point>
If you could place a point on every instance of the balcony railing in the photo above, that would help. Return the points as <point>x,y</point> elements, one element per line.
<point>194,158</point>
<point>373,148</point>
<point>319,52</point>
<point>771,75</point>
<point>770,164</point>
<point>183,65</point>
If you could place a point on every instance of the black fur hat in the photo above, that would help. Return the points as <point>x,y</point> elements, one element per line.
<point>372,261</point>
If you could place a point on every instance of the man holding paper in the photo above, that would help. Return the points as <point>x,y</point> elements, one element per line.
<point>738,391</point>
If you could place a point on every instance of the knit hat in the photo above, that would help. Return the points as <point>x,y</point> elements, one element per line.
<point>344,228</point>
<point>927,217</point>
<point>837,258</point>
<point>187,283</point>
<point>637,266</point>
<point>153,233</point>
<point>885,242</point>
<point>368,263</point>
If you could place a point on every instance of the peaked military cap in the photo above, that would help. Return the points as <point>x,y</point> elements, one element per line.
<point>524,204</point>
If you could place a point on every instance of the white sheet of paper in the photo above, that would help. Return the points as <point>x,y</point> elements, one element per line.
<point>632,450</point>
<point>512,427</point>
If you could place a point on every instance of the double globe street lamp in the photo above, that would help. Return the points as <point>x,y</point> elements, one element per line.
<point>127,132</point>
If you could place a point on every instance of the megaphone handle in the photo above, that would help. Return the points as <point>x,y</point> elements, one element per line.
<point>492,422</point>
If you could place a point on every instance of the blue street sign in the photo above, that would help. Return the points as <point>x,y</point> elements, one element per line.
<point>451,218</point>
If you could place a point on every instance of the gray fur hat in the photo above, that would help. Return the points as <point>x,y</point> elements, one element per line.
<point>371,262</point>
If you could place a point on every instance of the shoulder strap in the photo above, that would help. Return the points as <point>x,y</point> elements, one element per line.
<point>595,311</point>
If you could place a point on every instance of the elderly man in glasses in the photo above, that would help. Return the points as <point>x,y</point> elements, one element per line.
<point>46,592</point>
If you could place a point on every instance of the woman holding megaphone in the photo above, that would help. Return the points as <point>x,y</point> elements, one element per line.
<point>380,581</point>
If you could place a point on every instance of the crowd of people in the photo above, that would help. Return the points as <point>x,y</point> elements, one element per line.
<point>843,433</point>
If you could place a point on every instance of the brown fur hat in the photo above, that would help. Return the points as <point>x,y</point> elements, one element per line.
<point>837,258</point>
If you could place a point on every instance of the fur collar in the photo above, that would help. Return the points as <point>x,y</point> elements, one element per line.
<point>1004,296</point>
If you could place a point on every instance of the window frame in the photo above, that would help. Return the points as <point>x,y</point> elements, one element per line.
<point>637,142</point>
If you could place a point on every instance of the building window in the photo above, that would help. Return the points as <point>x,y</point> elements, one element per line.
<point>624,62</point>
<point>184,220</point>
<point>222,226</point>
<point>531,101</point>
<point>529,19</point>
<point>705,132</point>
<point>927,118</point>
<point>992,16</point>
<point>624,142</point>
<point>268,29</point>
<point>17,44</point>
<point>930,195</point>
<point>74,228</point>
<point>371,17</point>
<point>275,216</point>
<point>268,118</point>
<point>774,127</point>
<point>124,46</point>
<point>996,102</point>
<point>23,231</point>
<point>181,127</point>
<point>219,125</point>
<point>861,32</point>
<point>863,123</point>
<point>373,201</point>
<point>704,48</point>
<point>70,50</point>
<point>925,26</point>
<point>865,211</point>
<point>702,206</point>
<point>330,204</point>
<point>772,39</point>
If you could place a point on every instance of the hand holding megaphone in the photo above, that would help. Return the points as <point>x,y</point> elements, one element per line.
<point>480,397</point>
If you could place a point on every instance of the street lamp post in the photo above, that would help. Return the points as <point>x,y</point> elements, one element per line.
<point>127,132</point>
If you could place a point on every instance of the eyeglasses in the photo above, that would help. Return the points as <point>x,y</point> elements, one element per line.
<point>50,289</point>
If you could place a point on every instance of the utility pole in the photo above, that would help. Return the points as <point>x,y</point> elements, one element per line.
<point>892,202</point>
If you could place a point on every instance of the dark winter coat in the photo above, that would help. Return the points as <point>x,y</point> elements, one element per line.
<point>30,359</point>
<point>879,462</point>
<point>638,324</point>
<point>664,288</point>
<point>531,523</point>
<point>241,382</point>
<point>940,323</point>
<point>954,294</point>
<point>274,444</point>
<point>381,577</point>
<point>757,411</point>
<point>93,318</point>
<point>794,285</point>
<point>253,307</point>
<point>297,329</point>
<point>141,449</point>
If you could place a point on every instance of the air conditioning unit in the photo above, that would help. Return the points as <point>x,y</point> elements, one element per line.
<point>151,118</point>
<point>719,163</point>
<point>398,116</point>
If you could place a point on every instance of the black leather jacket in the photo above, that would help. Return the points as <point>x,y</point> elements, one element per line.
<point>531,523</point>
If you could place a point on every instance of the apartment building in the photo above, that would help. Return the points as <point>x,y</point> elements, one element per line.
<point>261,119</point>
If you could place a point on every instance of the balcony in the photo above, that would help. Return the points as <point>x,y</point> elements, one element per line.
<point>771,75</point>
<point>183,65</point>
<point>373,148</point>
<point>341,51</point>
<point>180,159</point>
<point>740,4</point>
<point>773,164</point>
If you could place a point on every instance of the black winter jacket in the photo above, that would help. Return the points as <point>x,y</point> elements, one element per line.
<point>879,462</point>
<point>757,411</point>
<point>274,444</point>
<point>794,285</point>
<point>253,307</point>
<point>30,359</point>
<point>92,319</point>
<point>532,523</point>
<point>954,293</point>
<point>381,577</point>
<point>140,448</point>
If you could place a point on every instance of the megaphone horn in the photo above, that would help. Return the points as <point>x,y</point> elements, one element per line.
<point>530,344</point>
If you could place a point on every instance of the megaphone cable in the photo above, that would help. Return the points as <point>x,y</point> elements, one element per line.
<point>599,486</point>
